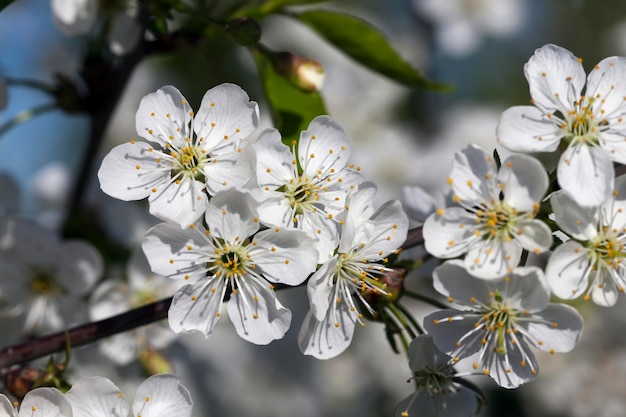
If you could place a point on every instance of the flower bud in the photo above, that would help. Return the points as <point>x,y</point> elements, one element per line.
<point>153,362</point>
<point>304,73</point>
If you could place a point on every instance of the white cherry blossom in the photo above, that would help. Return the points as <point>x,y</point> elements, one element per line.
<point>75,17</point>
<point>116,296</point>
<point>187,155</point>
<point>588,126</point>
<point>501,318</point>
<point>45,278</point>
<point>338,290</point>
<point>437,394</point>
<point>592,261</point>
<point>495,219</point>
<point>230,257</point>
<point>158,396</point>
<point>305,188</point>
<point>39,402</point>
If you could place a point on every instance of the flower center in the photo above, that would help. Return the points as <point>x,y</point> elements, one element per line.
<point>497,220</point>
<point>607,249</point>
<point>581,126</point>
<point>43,283</point>
<point>435,381</point>
<point>302,194</point>
<point>189,161</point>
<point>231,260</point>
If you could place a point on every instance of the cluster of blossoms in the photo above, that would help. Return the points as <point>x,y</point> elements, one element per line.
<point>242,216</point>
<point>503,213</point>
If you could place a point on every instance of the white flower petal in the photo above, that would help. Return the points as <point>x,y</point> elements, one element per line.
<point>285,256</point>
<point>451,279</point>
<point>229,169</point>
<point>525,181</point>
<point>130,171</point>
<point>75,17</point>
<point>226,115</point>
<point>96,397</point>
<point>324,231</point>
<point>423,354</point>
<point>324,339</point>
<point>232,215</point>
<point>197,307</point>
<point>162,395</point>
<point>182,203</point>
<point>124,34</point>
<point>49,402</point>
<point>164,116</point>
<point>80,266</point>
<point>320,288</point>
<point>560,328</point>
<point>274,166</point>
<point>605,295</point>
<point>460,402</point>
<point>568,270</point>
<point>275,209</point>
<point>527,129</point>
<point>473,175</point>
<point>166,248</point>
<point>450,234</point>
<point>555,77</point>
<point>256,313</point>
<point>533,235</point>
<point>526,289</point>
<point>493,258</point>
<point>322,147</point>
<point>507,369</point>
<point>579,222</point>
<point>587,174</point>
<point>448,327</point>
<point>6,407</point>
<point>418,204</point>
<point>606,84</point>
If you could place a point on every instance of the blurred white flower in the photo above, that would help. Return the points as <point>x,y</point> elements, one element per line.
<point>437,394</point>
<point>44,278</point>
<point>75,17</point>
<point>44,402</point>
<point>115,296</point>
<point>158,395</point>
<point>460,25</point>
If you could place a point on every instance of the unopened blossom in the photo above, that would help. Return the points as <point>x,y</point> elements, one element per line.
<point>187,156</point>
<point>158,396</point>
<point>231,256</point>
<point>75,17</point>
<point>116,296</point>
<point>306,187</point>
<point>437,393</point>
<point>586,123</point>
<point>501,319</point>
<point>591,263</point>
<point>338,290</point>
<point>495,217</point>
<point>39,402</point>
<point>45,278</point>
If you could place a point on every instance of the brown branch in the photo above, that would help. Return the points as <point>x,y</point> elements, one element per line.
<point>83,334</point>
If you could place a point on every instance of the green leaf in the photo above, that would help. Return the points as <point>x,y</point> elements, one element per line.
<point>367,45</point>
<point>5,3</point>
<point>292,108</point>
<point>273,6</point>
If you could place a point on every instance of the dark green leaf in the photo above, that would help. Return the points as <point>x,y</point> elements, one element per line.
<point>292,108</point>
<point>367,45</point>
<point>273,6</point>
